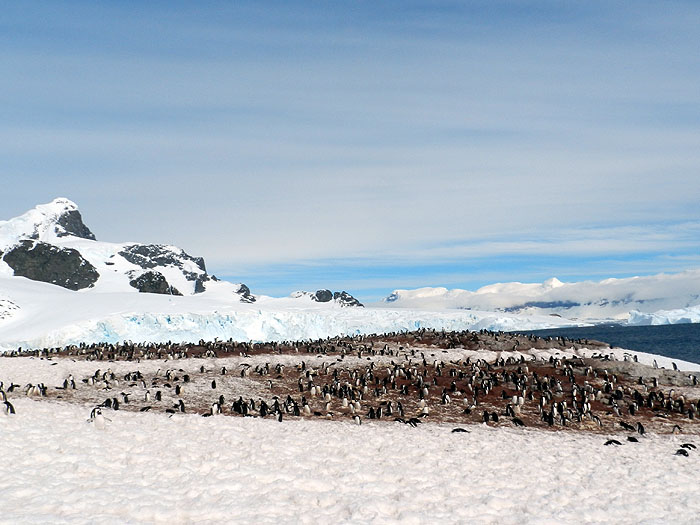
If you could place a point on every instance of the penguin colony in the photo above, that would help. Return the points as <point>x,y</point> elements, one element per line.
<point>406,377</point>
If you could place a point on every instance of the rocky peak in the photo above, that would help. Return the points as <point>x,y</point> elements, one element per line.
<point>326,296</point>
<point>45,222</point>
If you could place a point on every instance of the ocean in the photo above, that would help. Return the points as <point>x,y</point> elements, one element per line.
<point>680,341</point>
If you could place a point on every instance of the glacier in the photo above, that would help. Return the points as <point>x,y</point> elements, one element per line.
<point>40,315</point>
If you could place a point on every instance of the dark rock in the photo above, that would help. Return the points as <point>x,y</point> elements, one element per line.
<point>326,296</point>
<point>199,286</point>
<point>149,256</point>
<point>323,296</point>
<point>244,292</point>
<point>47,263</point>
<point>72,224</point>
<point>153,282</point>
<point>345,299</point>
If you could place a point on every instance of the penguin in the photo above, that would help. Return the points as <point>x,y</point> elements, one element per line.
<point>9,409</point>
<point>213,383</point>
<point>627,426</point>
<point>640,429</point>
<point>357,419</point>
<point>612,442</point>
<point>97,418</point>
<point>681,452</point>
<point>458,429</point>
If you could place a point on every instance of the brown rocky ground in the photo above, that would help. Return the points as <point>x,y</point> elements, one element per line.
<point>416,377</point>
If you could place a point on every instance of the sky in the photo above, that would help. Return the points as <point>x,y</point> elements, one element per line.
<point>364,146</point>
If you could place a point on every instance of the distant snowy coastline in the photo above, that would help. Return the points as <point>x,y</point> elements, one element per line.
<point>609,299</point>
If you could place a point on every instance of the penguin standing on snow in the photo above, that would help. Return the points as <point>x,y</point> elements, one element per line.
<point>9,409</point>
<point>97,418</point>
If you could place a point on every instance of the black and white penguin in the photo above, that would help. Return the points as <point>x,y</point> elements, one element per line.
<point>8,408</point>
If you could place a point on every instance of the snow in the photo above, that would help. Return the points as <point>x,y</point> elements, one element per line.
<point>39,223</point>
<point>607,299</point>
<point>115,271</point>
<point>678,316</point>
<point>147,468</point>
<point>39,315</point>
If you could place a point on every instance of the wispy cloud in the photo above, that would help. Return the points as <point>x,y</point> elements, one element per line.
<point>365,136</point>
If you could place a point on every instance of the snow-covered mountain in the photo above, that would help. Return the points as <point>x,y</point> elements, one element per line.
<point>52,244</point>
<point>59,285</point>
<point>607,299</point>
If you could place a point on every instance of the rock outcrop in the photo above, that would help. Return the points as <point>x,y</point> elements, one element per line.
<point>45,262</point>
<point>153,282</point>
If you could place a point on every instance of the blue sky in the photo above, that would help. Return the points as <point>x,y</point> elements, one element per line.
<point>364,147</point>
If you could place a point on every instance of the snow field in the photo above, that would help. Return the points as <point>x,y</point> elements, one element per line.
<point>147,468</point>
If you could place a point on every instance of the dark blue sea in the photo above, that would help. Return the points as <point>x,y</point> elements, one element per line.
<point>680,341</point>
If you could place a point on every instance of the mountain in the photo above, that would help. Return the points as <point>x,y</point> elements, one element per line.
<point>607,299</point>
<point>51,244</point>
<point>326,296</point>
<point>59,285</point>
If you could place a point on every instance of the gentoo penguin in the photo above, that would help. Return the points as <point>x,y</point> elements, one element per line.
<point>627,426</point>
<point>97,418</point>
<point>9,409</point>
<point>358,420</point>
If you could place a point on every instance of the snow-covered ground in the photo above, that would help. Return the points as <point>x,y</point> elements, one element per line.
<point>147,468</point>
<point>35,314</point>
